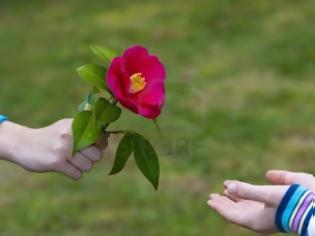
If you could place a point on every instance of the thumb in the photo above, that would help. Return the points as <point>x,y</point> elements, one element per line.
<point>283,177</point>
<point>102,142</point>
<point>270,195</point>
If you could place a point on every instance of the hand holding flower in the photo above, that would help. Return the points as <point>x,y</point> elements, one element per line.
<point>48,149</point>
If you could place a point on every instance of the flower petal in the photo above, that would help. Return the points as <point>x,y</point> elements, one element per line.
<point>149,101</point>
<point>129,105</point>
<point>132,57</point>
<point>153,94</point>
<point>148,111</point>
<point>115,79</point>
<point>150,67</point>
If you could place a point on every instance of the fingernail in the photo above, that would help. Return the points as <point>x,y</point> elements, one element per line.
<point>232,188</point>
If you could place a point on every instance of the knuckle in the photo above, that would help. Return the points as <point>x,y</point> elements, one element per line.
<point>65,134</point>
<point>58,146</point>
<point>64,127</point>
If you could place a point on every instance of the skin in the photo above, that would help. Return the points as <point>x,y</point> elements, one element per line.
<point>254,206</point>
<point>47,149</point>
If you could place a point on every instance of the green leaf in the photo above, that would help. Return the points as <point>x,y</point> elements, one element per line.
<point>87,104</point>
<point>105,112</point>
<point>104,53</point>
<point>93,74</point>
<point>95,90</point>
<point>146,159</point>
<point>123,152</point>
<point>85,131</point>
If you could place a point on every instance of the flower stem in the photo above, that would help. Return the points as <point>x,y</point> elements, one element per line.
<point>157,126</point>
<point>116,132</point>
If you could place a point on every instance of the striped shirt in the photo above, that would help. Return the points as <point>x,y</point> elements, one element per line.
<point>296,211</point>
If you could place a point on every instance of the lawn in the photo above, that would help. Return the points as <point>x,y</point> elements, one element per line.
<point>240,101</point>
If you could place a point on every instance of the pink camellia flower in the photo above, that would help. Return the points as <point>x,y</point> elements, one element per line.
<point>136,79</point>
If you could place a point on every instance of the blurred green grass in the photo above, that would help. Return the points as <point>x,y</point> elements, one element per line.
<point>240,100</point>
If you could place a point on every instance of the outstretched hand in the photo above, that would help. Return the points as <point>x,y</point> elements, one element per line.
<point>253,206</point>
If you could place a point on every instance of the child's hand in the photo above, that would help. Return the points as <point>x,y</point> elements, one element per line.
<point>47,149</point>
<point>236,208</point>
<point>251,206</point>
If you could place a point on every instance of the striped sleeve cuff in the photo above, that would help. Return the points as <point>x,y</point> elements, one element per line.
<point>295,210</point>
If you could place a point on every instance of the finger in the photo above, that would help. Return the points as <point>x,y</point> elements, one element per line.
<point>92,153</point>
<point>102,142</point>
<point>214,196</point>
<point>226,183</point>
<point>233,198</point>
<point>280,176</point>
<point>81,162</point>
<point>270,195</point>
<point>283,177</point>
<point>70,171</point>
<point>223,201</point>
<point>226,208</point>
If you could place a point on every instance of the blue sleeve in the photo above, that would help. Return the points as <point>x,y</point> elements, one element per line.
<point>296,211</point>
<point>3,118</point>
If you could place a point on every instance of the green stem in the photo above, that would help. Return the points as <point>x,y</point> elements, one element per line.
<point>157,126</point>
<point>116,132</point>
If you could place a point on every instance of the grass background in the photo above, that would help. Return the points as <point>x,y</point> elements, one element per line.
<point>240,101</point>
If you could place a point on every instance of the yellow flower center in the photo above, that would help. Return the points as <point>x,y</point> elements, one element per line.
<point>137,83</point>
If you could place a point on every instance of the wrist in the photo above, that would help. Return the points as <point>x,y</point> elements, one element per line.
<point>11,137</point>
